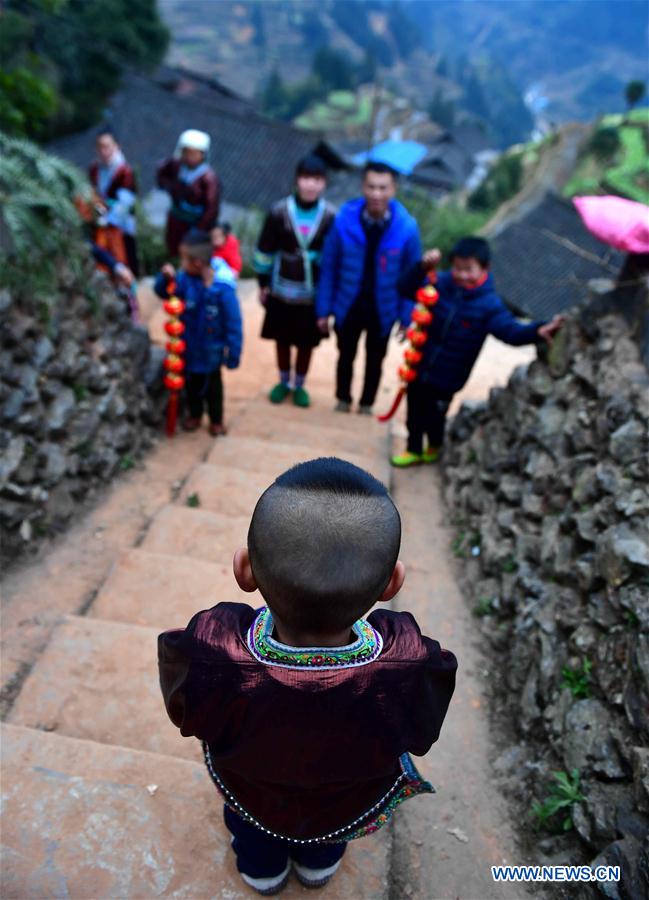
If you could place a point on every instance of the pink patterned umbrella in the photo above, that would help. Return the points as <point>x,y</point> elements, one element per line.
<point>616,221</point>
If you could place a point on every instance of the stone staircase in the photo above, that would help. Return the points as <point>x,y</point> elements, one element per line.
<point>102,796</point>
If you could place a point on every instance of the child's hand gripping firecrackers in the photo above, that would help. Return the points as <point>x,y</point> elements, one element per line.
<point>417,333</point>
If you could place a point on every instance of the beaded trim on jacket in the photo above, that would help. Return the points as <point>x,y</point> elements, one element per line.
<point>408,784</point>
<point>271,652</point>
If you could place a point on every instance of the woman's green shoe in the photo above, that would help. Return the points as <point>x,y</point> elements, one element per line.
<point>403,460</point>
<point>301,397</point>
<point>279,393</point>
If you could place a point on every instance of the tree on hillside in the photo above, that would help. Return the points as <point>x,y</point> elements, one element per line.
<point>257,21</point>
<point>68,56</point>
<point>442,111</point>
<point>634,92</point>
<point>604,143</point>
<point>333,69</point>
<point>274,97</point>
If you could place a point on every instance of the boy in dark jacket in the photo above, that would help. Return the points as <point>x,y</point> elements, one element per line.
<point>213,332</point>
<point>308,711</point>
<point>468,309</point>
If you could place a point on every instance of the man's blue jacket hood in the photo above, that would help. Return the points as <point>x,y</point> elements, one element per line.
<point>343,258</point>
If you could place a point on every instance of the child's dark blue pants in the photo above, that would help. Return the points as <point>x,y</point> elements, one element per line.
<point>427,408</point>
<point>205,388</point>
<point>261,856</point>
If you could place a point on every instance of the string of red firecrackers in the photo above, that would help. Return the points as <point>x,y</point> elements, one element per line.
<point>174,363</point>
<point>417,334</point>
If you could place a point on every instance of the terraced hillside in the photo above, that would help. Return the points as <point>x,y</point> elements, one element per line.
<point>615,158</point>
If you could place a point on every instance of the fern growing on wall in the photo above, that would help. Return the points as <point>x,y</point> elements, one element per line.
<point>41,234</point>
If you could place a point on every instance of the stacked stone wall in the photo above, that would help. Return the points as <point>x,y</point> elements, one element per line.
<point>80,401</point>
<point>548,488</point>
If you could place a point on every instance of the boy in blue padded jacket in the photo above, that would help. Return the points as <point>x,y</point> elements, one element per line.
<point>213,332</point>
<point>468,309</point>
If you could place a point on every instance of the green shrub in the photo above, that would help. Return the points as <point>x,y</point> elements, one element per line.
<point>503,181</point>
<point>151,246</point>
<point>42,226</point>
<point>563,795</point>
<point>604,143</point>
<point>577,681</point>
<point>484,607</point>
<point>442,224</point>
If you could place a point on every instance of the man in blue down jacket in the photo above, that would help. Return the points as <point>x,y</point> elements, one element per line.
<point>373,240</point>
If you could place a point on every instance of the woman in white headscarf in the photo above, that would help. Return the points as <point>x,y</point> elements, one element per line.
<point>193,187</point>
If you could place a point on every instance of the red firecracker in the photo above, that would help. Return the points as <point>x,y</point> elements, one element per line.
<point>174,363</point>
<point>417,334</point>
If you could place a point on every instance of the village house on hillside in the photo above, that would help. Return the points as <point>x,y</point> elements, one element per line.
<point>543,260</point>
<point>438,165</point>
<point>253,155</point>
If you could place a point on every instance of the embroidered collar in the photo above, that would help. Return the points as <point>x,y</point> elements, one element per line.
<point>265,648</point>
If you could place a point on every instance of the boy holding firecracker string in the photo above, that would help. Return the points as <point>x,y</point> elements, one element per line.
<point>212,332</point>
<point>455,312</point>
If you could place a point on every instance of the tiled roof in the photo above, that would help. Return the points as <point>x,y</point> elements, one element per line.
<point>542,262</point>
<point>254,157</point>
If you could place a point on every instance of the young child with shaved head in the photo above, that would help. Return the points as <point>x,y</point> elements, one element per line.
<point>307,710</point>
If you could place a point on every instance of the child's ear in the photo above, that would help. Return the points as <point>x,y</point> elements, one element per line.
<point>243,571</point>
<point>395,583</point>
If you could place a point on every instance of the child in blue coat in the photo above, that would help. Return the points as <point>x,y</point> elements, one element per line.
<point>468,309</point>
<point>213,332</point>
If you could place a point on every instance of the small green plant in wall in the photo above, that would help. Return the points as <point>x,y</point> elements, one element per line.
<point>564,793</point>
<point>577,680</point>
<point>484,607</point>
<point>457,545</point>
<point>509,565</point>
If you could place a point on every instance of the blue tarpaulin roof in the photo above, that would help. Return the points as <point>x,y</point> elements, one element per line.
<point>402,156</point>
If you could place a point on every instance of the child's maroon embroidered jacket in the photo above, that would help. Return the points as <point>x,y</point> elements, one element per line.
<point>310,744</point>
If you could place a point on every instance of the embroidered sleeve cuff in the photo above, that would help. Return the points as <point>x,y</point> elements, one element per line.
<point>263,262</point>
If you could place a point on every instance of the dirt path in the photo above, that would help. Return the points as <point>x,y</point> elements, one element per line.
<point>101,795</point>
<point>444,849</point>
<point>556,166</point>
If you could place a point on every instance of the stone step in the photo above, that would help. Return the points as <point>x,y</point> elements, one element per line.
<point>319,415</point>
<point>163,591</point>
<point>222,489</point>
<point>338,441</point>
<point>197,534</point>
<point>98,681</point>
<point>79,822</point>
<point>272,457</point>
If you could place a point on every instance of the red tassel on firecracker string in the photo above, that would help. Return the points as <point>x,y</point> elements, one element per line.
<point>172,413</point>
<point>395,406</point>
